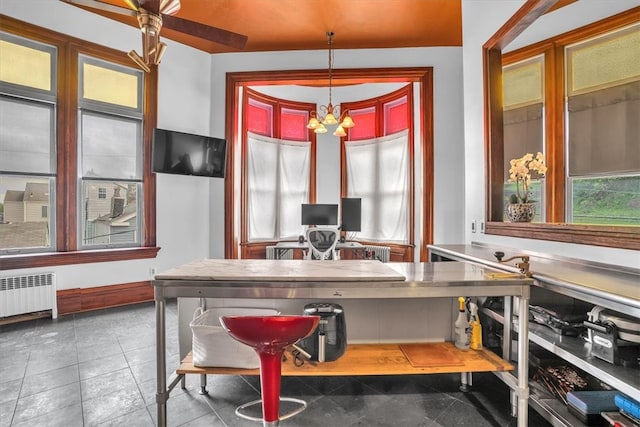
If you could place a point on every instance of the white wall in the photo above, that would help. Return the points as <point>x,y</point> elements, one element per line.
<point>183,93</point>
<point>481,19</point>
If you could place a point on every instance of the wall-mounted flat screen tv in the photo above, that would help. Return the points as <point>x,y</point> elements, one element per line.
<point>319,214</point>
<point>351,214</point>
<point>188,154</point>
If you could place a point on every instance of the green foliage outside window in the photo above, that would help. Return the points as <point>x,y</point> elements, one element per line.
<point>606,200</point>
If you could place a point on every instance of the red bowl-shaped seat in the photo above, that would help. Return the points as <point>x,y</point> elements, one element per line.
<point>269,335</point>
<point>269,332</point>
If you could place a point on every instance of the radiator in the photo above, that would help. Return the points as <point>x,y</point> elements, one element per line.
<point>28,294</point>
<point>382,253</point>
<point>278,253</point>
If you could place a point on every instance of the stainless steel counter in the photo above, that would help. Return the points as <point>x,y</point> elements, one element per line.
<point>346,279</point>
<point>616,287</point>
<point>613,287</point>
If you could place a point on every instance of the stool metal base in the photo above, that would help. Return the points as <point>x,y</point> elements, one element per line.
<point>303,406</point>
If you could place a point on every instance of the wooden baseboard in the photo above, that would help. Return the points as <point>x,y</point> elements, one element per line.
<point>86,299</point>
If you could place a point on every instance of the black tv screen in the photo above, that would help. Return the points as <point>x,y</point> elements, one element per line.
<point>319,214</point>
<point>351,214</point>
<point>188,154</point>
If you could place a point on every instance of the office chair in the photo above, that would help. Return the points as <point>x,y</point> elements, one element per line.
<point>322,243</point>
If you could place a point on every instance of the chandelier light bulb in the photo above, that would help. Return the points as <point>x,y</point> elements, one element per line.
<point>313,123</point>
<point>320,129</point>
<point>329,119</point>
<point>340,131</point>
<point>347,122</point>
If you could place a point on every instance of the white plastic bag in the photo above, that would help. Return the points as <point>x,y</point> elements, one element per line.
<point>213,347</point>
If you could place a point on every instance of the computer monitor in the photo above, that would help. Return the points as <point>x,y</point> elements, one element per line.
<point>319,214</point>
<point>351,214</point>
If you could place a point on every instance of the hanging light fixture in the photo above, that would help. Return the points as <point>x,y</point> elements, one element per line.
<point>150,25</point>
<point>152,47</point>
<point>327,114</point>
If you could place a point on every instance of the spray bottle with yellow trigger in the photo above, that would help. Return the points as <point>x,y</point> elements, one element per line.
<point>476,328</point>
<point>461,326</point>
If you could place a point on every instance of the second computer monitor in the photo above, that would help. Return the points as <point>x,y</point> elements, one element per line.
<point>351,214</point>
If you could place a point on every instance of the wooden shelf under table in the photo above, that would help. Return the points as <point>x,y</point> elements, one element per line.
<point>372,359</point>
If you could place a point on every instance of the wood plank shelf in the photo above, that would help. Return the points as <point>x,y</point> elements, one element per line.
<point>374,359</point>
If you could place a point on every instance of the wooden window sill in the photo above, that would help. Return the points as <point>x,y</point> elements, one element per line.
<point>622,237</point>
<point>49,259</point>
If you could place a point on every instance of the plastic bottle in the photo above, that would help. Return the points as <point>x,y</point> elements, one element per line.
<point>476,328</point>
<point>461,327</point>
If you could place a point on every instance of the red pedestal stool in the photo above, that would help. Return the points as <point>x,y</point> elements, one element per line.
<point>269,335</point>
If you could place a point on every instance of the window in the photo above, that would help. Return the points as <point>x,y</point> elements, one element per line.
<point>110,140</point>
<point>523,117</point>
<point>377,159</point>
<point>587,121</point>
<point>602,111</point>
<point>74,164</point>
<point>28,105</point>
<point>277,165</point>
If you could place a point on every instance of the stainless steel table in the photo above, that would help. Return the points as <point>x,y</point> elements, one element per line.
<point>353,279</point>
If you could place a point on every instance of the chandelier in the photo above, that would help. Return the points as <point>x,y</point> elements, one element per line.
<point>327,114</point>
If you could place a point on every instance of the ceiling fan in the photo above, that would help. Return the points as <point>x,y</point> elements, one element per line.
<point>152,16</point>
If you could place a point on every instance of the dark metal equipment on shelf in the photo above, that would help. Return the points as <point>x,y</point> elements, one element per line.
<point>615,337</point>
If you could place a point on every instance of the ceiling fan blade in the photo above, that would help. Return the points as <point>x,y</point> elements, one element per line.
<point>169,7</point>
<point>216,35</point>
<point>94,4</point>
<point>133,4</point>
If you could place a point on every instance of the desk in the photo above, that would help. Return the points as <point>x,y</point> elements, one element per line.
<point>281,250</point>
<point>334,280</point>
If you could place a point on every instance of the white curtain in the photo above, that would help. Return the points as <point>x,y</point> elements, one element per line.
<point>278,184</point>
<point>378,173</point>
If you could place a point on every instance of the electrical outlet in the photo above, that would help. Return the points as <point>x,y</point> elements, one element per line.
<point>473,226</point>
<point>482,226</point>
<point>152,271</point>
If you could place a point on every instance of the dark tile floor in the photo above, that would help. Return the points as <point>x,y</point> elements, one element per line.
<point>98,368</point>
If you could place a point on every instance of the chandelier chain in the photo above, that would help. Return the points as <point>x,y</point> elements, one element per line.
<point>330,42</point>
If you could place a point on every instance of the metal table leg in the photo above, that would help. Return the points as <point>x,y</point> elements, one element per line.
<point>161,392</point>
<point>523,360</point>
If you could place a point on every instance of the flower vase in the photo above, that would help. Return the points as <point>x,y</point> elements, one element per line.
<point>521,212</point>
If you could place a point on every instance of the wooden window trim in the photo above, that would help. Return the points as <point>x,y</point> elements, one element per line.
<point>66,123</point>
<point>624,237</point>
<point>423,75</point>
